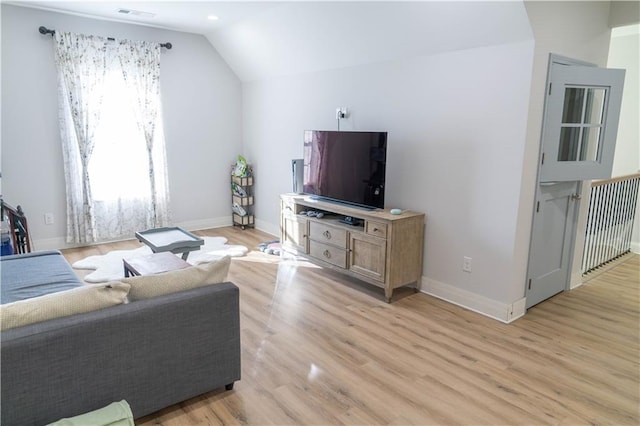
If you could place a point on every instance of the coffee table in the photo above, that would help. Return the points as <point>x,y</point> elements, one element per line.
<point>173,239</point>
<point>155,263</point>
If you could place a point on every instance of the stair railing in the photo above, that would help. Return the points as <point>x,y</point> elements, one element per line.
<point>612,209</point>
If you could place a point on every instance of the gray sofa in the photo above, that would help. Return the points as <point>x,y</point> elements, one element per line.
<point>153,353</point>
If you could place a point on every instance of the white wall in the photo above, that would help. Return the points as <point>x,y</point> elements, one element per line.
<point>456,124</point>
<point>202,118</point>
<point>624,53</point>
<point>463,130</point>
<point>464,137</point>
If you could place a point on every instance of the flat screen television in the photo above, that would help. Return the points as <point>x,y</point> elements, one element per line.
<point>348,167</point>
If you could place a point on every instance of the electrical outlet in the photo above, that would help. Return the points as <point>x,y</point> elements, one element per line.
<point>466,264</point>
<point>48,218</point>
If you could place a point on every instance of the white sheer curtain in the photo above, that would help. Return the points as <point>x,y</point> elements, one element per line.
<point>112,139</point>
<point>140,63</point>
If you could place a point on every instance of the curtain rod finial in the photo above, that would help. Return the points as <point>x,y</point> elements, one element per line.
<point>45,30</point>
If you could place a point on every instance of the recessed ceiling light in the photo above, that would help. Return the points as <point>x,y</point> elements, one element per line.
<point>212,18</point>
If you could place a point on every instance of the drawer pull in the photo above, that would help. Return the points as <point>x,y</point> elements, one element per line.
<point>327,234</point>
<point>375,229</point>
<point>327,254</point>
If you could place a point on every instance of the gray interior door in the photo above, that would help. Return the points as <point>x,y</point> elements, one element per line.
<point>555,214</point>
<point>579,130</point>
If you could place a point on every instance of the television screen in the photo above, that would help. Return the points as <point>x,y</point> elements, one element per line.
<point>345,166</point>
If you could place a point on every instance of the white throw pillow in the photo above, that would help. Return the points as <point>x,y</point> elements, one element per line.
<point>147,286</point>
<point>62,304</point>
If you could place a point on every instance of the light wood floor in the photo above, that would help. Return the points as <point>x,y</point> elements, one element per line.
<point>319,348</point>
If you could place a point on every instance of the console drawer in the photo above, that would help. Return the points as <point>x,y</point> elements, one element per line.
<point>376,229</point>
<point>328,234</point>
<point>329,254</point>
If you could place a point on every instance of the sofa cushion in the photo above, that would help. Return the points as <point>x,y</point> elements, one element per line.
<point>62,304</point>
<point>24,276</point>
<point>147,286</point>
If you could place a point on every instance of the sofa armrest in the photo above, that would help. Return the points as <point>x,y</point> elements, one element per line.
<point>35,274</point>
<point>152,353</point>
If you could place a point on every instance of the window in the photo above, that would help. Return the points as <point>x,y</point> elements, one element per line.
<point>119,166</point>
<point>112,139</point>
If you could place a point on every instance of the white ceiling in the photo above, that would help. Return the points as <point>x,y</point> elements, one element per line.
<point>187,16</point>
<point>265,39</point>
<point>302,37</point>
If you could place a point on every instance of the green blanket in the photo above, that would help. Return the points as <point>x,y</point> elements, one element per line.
<point>114,414</point>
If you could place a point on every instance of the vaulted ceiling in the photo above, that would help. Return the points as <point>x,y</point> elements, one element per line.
<point>264,39</point>
<point>299,37</point>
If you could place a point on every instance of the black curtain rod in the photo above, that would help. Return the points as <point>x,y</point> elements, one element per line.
<point>45,30</point>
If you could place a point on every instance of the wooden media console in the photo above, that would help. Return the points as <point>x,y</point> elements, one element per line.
<point>376,246</point>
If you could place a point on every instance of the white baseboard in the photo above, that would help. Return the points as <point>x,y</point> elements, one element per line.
<point>504,312</point>
<point>60,243</point>
<point>196,225</point>
<point>50,244</point>
<point>268,227</point>
<point>575,284</point>
<point>635,247</point>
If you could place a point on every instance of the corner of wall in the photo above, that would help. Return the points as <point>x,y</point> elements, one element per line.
<point>267,227</point>
<point>622,13</point>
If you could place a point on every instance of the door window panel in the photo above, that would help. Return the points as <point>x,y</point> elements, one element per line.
<point>595,106</point>
<point>573,100</point>
<point>569,141</point>
<point>590,144</point>
<point>582,120</point>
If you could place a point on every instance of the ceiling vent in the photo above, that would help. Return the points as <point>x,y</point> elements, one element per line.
<point>136,13</point>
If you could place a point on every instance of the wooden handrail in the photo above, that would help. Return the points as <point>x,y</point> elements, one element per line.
<point>615,179</point>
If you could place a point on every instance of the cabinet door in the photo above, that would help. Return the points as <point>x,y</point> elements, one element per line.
<point>367,255</point>
<point>294,233</point>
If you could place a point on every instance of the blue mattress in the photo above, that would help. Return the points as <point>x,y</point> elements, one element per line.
<point>23,276</point>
